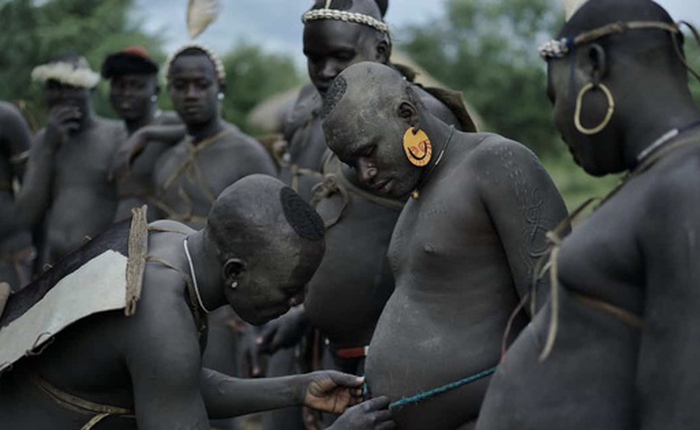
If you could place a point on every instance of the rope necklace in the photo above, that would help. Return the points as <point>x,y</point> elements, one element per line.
<point>194,278</point>
<point>658,143</point>
<point>416,193</point>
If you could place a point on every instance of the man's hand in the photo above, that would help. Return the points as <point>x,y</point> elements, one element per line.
<point>332,392</point>
<point>126,153</point>
<point>62,120</point>
<point>371,415</point>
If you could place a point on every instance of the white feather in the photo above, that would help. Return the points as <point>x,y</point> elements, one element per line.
<point>572,6</point>
<point>201,13</point>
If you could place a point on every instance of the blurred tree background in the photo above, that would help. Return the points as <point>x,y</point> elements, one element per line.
<point>485,48</point>
<point>36,31</point>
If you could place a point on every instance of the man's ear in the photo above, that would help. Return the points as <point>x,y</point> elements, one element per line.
<point>409,114</point>
<point>233,268</point>
<point>595,63</point>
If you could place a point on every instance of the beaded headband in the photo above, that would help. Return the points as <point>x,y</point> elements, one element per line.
<point>341,15</point>
<point>218,64</point>
<point>74,74</point>
<point>561,48</point>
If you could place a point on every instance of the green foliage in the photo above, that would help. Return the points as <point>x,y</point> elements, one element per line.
<point>33,32</point>
<point>488,50</point>
<point>692,54</point>
<point>252,76</point>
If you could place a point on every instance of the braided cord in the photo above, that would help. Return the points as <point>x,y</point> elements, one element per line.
<point>341,15</point>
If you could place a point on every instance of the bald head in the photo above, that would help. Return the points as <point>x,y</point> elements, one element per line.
<point>351,92</point>
<point>368,109</point>
<point>259,210</point>
<point>653,47</point>
<point>597,13</point>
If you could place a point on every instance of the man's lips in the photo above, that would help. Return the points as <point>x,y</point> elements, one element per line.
<point>382,185</point>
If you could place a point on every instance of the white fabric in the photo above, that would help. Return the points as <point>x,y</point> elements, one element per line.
<point>97,286</point>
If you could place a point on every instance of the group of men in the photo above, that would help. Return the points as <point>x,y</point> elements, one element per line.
<point>412,264</point>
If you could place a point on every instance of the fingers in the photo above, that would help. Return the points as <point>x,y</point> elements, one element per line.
<point>346,380</point>
<point>377,404</point>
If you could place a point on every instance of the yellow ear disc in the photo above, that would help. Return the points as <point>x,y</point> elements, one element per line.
<point>417,146</point>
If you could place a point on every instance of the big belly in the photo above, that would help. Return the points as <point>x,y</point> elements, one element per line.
<point>75,215</point>
<point>348,292</point>
<point>587,382</point>
<point>418,347</point>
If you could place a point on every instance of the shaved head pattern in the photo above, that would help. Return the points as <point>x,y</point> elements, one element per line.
<point>305,221</point>
<point>334,95</point>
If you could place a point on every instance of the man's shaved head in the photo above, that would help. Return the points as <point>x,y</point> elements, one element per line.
<point>269,241</point>
<point>260,209</point>
<point>364,123</point>
<point>597,13</point>
<point>352,91</point>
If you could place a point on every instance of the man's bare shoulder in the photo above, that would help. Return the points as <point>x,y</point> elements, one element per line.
<point>671,187</point>
<point>487,151</point>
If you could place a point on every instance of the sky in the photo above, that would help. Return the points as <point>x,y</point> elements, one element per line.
<point>276,24</point>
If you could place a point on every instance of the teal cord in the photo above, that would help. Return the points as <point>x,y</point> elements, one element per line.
<point>449,387</point>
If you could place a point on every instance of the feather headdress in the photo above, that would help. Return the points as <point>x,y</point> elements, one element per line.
<point>200,14</point>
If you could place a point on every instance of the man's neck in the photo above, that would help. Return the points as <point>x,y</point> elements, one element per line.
<point>207,270</point>
<point>658,125</point>
<point>205,131</point>
<point>134,125</point>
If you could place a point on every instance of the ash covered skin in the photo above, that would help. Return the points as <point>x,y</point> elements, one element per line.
<point>287,236</point>
<point>375,148</point>
<point>332,45</point>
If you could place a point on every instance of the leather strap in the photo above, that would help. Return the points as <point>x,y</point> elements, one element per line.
<point>624,316</point>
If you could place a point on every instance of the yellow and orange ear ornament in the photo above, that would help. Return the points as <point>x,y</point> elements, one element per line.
<point>417,146</point>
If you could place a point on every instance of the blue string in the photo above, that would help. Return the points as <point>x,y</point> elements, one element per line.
<point>449,387</point>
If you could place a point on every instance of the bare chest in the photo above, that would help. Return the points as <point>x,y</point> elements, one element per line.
<point>84,160</point>
<point>602,258</point>
<point>445,233</point>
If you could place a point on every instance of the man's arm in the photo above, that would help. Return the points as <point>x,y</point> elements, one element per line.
<point>15,137</point>
<point>523,204</point>
<point>667,381</point>
<point>163,356</point>
<point>327,391</point>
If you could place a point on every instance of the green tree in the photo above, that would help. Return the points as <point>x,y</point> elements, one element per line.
<point>253,75</point>
<point>488,50</point>
<point>33,32</point>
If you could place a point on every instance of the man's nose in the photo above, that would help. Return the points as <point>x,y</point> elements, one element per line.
<point>330,70</point>
<point>192,91</point>
<point>366,171</point>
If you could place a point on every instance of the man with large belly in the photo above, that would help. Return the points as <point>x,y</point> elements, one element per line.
<point>463,250</point>
<point>617,345</point>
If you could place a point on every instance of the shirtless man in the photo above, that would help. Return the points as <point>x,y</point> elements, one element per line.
<point>348,292</point>
<point>260,246</point>
<point>133,93</point>
<point>616,346</point>
<point>214,154</point>
<point>462,252</point>
<point>16,250</point>
<point>70,160</point>
<point>331,45</point>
